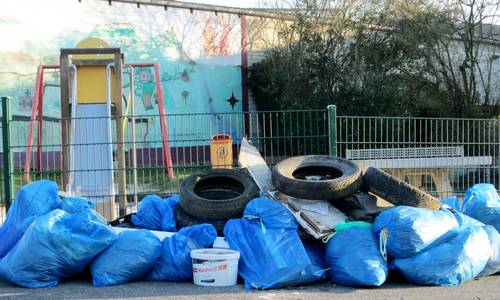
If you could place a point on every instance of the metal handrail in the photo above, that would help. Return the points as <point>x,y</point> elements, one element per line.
<point>73,127</point>
<point>108,113</point>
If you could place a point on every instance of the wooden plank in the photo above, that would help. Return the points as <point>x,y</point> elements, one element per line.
<point>92,62</point>
<point>73,51</point>
<point>120,147</point>
<point>65,121</point>
<point>442,182</point>
<point>415,180</point>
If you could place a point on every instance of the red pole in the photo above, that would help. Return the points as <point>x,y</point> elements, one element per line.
<point>244,73</point>
<point>34,110</point>
<point>40,126</point>
<point>167,156</point>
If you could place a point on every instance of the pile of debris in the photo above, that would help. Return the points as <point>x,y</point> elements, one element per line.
<point>311,218</point>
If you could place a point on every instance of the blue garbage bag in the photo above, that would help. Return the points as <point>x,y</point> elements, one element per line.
<point>464,220</point>
<point>128,259</point>
<point>317,254</point>
<point>32,200</point>
<point>56,246</point>
<point>271,252</point>
<point>74,205</point>
<point>482,203</point>
<point>354,257</point>
<point>175,263</point>
<point>156,213</point>
<point>409,230</point>
<point>168,221</point>
<point>493,264</point>
<point>452,202</point>
<point>453,262</point>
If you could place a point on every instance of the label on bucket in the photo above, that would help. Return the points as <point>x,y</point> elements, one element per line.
<point>215,272</point>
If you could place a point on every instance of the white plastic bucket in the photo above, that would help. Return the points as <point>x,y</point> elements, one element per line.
<point>215,267</point>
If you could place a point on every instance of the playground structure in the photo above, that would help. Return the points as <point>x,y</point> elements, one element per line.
<point>91,99</point>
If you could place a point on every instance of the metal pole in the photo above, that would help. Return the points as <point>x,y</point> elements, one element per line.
<point>134,146</point>
<point>65,118</point>
<point>7,158</point>
<point>71,149</point>
<point>332,129</point>
<point>120,139</point>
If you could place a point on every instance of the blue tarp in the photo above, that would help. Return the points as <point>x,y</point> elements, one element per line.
<point>354,258</point>
<point>482,203</point>
<point>156,213</point>
<point>453,262</point>
<point>175,262</point>
<point>32,200</point>
<point>272,254</point>
<point>409,230</point>
<point>56,246</point>
<point>128,259</point>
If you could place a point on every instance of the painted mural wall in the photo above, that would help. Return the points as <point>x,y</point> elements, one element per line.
<point>199,54</point>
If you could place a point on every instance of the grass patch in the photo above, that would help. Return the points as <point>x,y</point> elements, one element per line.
<point>150,180</point>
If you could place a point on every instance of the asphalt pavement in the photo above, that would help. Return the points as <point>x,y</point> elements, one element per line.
<point>484,288</point>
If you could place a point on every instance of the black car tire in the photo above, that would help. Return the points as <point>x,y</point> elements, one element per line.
<point>396,191</point>
<point>220,194</point>
<point>182,219</point>
<point>340,177</point>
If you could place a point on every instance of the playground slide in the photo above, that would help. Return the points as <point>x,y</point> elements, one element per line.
<point>92,156</point>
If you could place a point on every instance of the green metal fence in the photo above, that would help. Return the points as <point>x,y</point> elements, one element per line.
<point>277,135</point>
<point>2,197</point>
<point>5,174</point>
<point>441,156</point>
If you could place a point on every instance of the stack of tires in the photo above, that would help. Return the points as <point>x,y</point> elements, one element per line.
<point>341,182</point>
<point>214,197</point>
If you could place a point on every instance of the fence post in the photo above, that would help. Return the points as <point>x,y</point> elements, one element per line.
<point>7,158</point>
<point>332,129</point>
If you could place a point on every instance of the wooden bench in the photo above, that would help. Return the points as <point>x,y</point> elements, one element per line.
<point>416,162</point>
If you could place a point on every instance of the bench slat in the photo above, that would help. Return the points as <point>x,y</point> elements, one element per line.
<point>428,162</point>
<point>420,152</point>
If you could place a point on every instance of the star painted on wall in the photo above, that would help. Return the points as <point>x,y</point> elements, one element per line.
<point>232,100</point>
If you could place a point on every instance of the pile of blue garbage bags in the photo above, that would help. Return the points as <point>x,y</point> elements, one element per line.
<point>46,240</point>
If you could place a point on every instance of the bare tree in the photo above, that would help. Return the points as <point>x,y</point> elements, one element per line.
<point>443,50</point>
<point>462,44</point>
